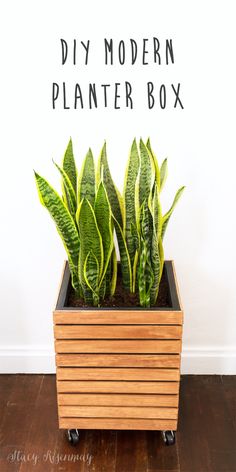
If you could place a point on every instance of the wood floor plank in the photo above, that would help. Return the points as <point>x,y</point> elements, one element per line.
<point>229,386</point>
<point>101,451</point>
<point>161,457</point>
<point>17,420</point>
<point>192,445</point>
<point>220,430</point>
<point>7,384</point>
<point>207,427</point>
<point>42,435</point>
<point>205,441</point>
<point>126,451</point>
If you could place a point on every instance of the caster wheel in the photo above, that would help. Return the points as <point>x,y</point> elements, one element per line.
<point>73,436</point>
<point>168,437</point>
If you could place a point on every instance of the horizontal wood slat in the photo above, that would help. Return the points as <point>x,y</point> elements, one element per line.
<point>118,360</point>
<point>117,423</point>
<point>119,346</point>
<point>65,386</point>
<point>113,399</point>
<point>78,373</point>
<point>117,412</point>
<point>118,368</point>
<point>117,317</point>
<point>117,332</point>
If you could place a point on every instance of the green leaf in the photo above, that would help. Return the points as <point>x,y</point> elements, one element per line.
<point>90,238</point>
<point>155,163</point>
<point>104,174</point>
<point>103,216</point>
<point>145,270</point>
<point>166,217</point>
<point>146,224</point>
<point>146,173</point>
<point>145,277</point>
<point>114,273</point>
<point>157,213</point>
<point>69,165</point>
<point>156,268</point>
<point>70,200</point>
<point>91,276</point>
<point>163,173</point>
<point>65,224</point>
<point>124,257</point>
<point>135,236</point>
<point>135,264</point>
<point>86,182</point>
<point>161,255</point>
<point>131,174</point>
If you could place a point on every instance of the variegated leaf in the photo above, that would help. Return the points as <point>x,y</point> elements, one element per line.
<point>155,163</point>
<point>69,165</point>
<point>91,277</point>
<point>157,213</point>
<point>124,257</point>
<point>86,182</point>
<point>134,272</point>
<point>114,272</point>
<point>167,216</point>
<point>115,199</point>
<point>145,270</point>
<point>161,256</point>
<point>156,268</point>
<point>146,173</point>
<point>69,191</point>
<point>90,238</point>
<point>131,174</point>
<point>65,224</point>
<point>163,173</point>
<point>102,211</point>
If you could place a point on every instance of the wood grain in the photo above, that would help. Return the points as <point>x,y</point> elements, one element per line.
<point>118,360</point>
<point>117,332</point>
<point>117,412</point>
<point>90,386</point>
<point>80,373</point>
<point>117,317</point>
<point>117,423</point>
<point>117,400</point>
<point>205,439</point>
<point>119,346</point>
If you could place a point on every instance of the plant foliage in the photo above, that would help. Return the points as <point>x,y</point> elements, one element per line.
<point>91,208</point>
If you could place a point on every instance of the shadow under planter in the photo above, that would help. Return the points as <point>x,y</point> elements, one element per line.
<point>118,368</point>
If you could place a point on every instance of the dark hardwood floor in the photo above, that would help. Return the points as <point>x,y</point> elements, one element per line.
<point>31,441</point>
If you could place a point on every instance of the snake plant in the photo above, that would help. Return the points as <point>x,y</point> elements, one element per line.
<point>91,207</point>
<point>83,219</point>
<point>139,223</point>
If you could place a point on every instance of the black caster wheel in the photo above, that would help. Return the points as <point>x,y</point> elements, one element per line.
<point>168,437</point>
<point>73,436</point>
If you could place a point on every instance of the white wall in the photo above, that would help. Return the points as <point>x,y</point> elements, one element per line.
<point>199,141</point>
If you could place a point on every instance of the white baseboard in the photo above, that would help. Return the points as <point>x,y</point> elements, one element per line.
<point>41,359</point>
<point>27,360</point>
<point>209,360</point>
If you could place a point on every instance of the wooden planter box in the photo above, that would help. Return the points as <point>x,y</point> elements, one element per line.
<point>118,368</point>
